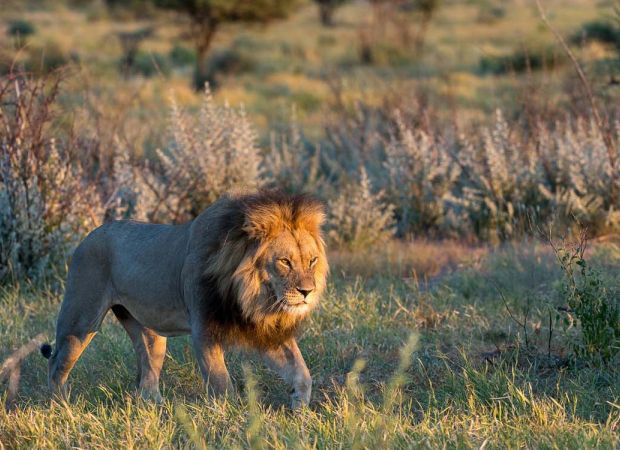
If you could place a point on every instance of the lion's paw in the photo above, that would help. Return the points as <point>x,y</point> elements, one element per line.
<point>151,396</point>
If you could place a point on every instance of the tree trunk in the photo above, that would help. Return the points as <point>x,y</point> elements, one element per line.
<point>421,34</point>
<point>204,38</point>
<point>326,12</point>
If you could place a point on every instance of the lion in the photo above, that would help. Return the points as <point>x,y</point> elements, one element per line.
<point>246,272</point>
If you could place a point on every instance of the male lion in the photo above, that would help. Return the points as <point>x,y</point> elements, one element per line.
<point>246,271</point>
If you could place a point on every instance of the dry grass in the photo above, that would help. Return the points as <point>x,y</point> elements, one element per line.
<point>420,260</point>
<point>469,381</point>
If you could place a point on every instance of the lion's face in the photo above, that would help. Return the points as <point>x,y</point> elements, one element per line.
<point>295,270</point>
<point>277,264</point>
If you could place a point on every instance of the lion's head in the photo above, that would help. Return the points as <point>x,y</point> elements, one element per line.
<point>273,262</point>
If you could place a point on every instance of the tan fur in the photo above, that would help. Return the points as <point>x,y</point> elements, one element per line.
<point>247,271</point>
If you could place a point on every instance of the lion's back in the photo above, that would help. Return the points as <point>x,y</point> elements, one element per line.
<point>130,255</point>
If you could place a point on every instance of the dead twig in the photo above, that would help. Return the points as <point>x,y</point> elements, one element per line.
<point>526,313</point>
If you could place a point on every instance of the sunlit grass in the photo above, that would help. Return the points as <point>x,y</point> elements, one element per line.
<point>465,380</point>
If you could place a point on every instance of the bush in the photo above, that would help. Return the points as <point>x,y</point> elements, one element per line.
<point>207,157</point>
<point>421,179</point>
<point>20,28</point>
<point>358,218</point>
<point>499,185</point>
<point>491,182</point>
<point>223,63</point>
<point>599,31</point>
<point>289,165</point>
<point>522,60</point>
<point>564,175</point>
<point>593,304</point>
<point>182,56</point>
<point>46,200</point>
<point>150,64</point>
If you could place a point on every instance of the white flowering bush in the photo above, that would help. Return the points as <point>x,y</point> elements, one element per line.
<point>421,177</point>
<point>500,183</point>
<point>563,175</point>
<point>581,180</point>
<point>290,166</point>
<point>492,182</point>
<point>358,217</point>
<point>210,154</point>
<point>497,181</point>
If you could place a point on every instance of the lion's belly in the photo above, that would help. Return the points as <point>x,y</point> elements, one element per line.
<point>146,262</point>
<point>166,320</point>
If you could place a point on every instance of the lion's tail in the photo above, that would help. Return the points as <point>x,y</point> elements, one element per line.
<point>46,350</point>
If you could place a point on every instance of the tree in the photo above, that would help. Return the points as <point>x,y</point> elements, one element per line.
<point>411,18</point>
<point>327,9</point>
<point>207,16</point>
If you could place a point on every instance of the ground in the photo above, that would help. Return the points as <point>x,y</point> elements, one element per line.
<point>417,349</point>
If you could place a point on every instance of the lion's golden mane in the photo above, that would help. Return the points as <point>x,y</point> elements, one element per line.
<point>236,301</point>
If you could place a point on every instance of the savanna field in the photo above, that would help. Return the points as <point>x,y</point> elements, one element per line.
<point>467,153</point>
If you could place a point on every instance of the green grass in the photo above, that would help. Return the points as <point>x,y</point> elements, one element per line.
<point>470,381</point>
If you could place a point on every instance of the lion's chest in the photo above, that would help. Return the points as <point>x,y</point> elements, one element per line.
<point>269,333</point>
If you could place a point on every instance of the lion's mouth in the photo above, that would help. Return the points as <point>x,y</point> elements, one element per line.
<point>298,304</point>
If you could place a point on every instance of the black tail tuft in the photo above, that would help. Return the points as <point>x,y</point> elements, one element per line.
<point>46,351</point>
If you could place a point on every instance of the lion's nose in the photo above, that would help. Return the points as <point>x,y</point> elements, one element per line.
<point>305,291</point>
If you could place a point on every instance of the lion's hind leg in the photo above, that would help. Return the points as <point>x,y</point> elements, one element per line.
<point>85,305</point>
<point>68,350</point>
<point>75,329</point>
<point>150,352</point>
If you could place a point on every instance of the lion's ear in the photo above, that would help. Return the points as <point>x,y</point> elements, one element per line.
<point>311,218</point>
<point>262,223</point>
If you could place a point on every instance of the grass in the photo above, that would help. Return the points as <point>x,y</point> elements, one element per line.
<point>465,379</point>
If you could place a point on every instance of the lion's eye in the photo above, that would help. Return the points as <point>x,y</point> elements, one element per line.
<point>286,262</point>
<point>313,261</point>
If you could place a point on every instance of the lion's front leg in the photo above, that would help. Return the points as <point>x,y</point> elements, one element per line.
<point>210,357</point>
<point>288,362</point>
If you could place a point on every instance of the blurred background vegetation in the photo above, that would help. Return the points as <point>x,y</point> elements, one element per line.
<point>461,58</point>
<point>440,118</point>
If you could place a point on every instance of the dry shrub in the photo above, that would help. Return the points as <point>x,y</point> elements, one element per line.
<point>421,177</point>
<point>47,202</point>
<point>563,174</point>
<point>359,218</point>
<point>493,181</point>
<point>209,155</point>
<point>289,165</point>
<point>489,183</point>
